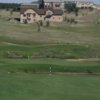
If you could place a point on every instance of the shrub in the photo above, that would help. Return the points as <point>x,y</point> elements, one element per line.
<point>68,20</point>
<point>72,20</point>
<point>47,23</point>
<point>41,23</point>
<point>38,27</point>
<point>65,18</point>
<point>15,55</point>
<point>26,70</point>
<point>25,21</point>
<point>75,22</point>
<point>89,71</point>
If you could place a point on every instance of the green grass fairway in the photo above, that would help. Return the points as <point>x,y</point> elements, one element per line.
<point>18,80</point>
<point>43,66</point>
<point>21,86</point>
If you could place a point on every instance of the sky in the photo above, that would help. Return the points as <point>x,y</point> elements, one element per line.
<point>26,1</point>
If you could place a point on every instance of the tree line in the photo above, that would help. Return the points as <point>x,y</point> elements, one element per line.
<point>71,7</point>
<point>9,6</point>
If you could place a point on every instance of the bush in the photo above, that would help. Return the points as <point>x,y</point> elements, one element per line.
<point>65,18</point>
<point>75,22</point>
<point>41,23</point>
<point>71,20</point>
<point>68,20</point>
<point>47,23</point>
<point>15,55</point>
<point>89,71</point>
<point>38,27</point>
<point>26,70</point>
<point>25,21</point>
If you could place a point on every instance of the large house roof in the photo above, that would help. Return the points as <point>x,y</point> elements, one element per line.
<point>24,8</point>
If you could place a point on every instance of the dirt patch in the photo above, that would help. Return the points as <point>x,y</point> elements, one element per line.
<point>69,74</point>
<point>87,59</point>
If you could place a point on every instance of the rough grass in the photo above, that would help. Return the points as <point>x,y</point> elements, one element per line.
<point>61,51</point>
<point>57,33</point>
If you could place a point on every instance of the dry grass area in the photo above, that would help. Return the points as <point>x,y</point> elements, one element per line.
<point>58,34</point>
<point>81,33</point>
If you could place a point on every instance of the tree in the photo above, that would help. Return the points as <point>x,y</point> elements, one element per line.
<point>71,7</point>
<point>25,21</point>
<point>41,23</point>
<point>11,12</point>
<point>76,11</point>
<point>39,27</point>
<point>8,6</point>
<point>47,23</point>
<point>41,4</point>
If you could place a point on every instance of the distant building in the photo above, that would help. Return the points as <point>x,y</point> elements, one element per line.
<point>96,6</point>
<point>56,4</point>
<point>60,3</point>
<point>84,4</point>
<point>31,14</point>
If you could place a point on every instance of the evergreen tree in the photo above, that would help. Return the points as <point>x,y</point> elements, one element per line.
<point>71,7</point>
<point>8,6</point>
<point>41,4</point>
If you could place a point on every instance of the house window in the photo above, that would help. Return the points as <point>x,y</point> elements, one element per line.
<point>49,13</point>
<point>29,19</point>
<point>28,15</point>
<point>34,20</point>
<point>34,14</point>
<point>40,15</point>
<point>57,5</point>
<point>25,21</point>
<point>24,15</point>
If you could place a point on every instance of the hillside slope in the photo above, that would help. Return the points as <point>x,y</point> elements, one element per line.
<point>91,17</point>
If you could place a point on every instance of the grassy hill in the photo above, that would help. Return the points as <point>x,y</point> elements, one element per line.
<point>26,56</point>
<point>60,40</point>
<point>92,17</point>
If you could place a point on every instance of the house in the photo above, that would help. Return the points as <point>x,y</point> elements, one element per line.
<point>97,6</point>
<point>33,14</point>
<point>85,4</point>
<point>56,4</point>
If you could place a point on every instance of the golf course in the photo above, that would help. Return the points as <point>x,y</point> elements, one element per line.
<point>61,62</point>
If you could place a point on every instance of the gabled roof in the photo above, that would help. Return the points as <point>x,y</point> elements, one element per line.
<point>23,8</point>
<point>40,11</point>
